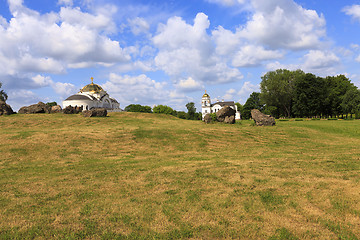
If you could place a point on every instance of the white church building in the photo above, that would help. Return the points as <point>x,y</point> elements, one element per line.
<point>92,96</point>
<point>207,107</point>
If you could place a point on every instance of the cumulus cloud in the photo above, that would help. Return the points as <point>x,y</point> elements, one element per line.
<point>284,24</point>
<point>320,62</point>
<point>353,11</point>
<point>187,50</point>
<point>49,43</point>
<point>189,84</point>
<point>251,55</point>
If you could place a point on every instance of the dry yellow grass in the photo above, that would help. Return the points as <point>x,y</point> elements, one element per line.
<point>134,175</point>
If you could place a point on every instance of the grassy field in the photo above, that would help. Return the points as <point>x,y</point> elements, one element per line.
<point>148,176</point>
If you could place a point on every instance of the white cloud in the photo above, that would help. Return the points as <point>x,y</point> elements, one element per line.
<point>229,95</point>
<point>251,55</point>
<point>353,11</point>
<point>187,51</point>
<point>189,84</point>
<point>138,25</point>
<point>64,89</point>
<point>320,62</point>
<point>246,90</point>
<point>33,42</point>
<point>284,24</point>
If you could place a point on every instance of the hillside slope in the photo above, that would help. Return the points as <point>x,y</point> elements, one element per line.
<point>134,175</point>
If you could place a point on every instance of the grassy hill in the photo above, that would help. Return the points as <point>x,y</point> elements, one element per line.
<point>141,176</point>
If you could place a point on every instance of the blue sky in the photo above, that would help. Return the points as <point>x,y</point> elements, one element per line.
<point>169,52</point>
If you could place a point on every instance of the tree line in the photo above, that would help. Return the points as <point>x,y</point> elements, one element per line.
<point>286,94</point>
<point>191,114</point>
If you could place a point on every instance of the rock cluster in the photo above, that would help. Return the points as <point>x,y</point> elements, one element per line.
<point>262,119</point>
<point>96,112</point>
<point>5,109</point>
<point>226,115</point>
<point>40,107</point>
<point>72,110</point>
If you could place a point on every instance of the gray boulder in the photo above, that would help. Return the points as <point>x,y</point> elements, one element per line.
<point>55,109</point>
<point>226,111</point>
<point>207,118</point>
<point>5,109</point>
<point>262,119</point>
<point>40,107</point>
<point>95,112</point>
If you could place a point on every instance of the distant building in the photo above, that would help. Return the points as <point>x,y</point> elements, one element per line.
<point>92,96</point>
<point>207,107</point>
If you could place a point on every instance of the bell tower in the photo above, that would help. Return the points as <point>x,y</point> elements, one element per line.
<point>205,100</point>
<point>205,104</point>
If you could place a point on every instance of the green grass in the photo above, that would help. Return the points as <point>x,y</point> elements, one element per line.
<point>149,176</point>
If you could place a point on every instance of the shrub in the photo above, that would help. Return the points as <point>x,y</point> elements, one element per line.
<point>283,120</point>
<point>213,117</point>
<point>332,119</point>
<point>299,119</point>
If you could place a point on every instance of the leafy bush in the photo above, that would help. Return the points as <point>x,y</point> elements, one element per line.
<point>213,117</point>
<point>51,104</point>
<point>138,108</point>
<point>163,109</point>
<point>332,119</point>
<point>283,120</point>
<point>299,119</point>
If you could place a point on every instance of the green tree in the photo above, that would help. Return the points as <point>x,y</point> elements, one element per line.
<point>253,102</point>
<point>164,109</point>
<point>191,111</point>
<point>3,95</point>
<point>351,102</point>
<point>336,87</point>
<point>138,108</point>
<point>277,90</point>
<point>309,95</point>
<point>181,114</point>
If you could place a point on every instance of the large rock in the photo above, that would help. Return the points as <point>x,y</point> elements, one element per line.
<point>226,111</point>
<point>5,109</point>
<point>262,119</point>
<point>95,112</point>
<point>40,107</point>
<point>207,118</point>
<point>55,109</point>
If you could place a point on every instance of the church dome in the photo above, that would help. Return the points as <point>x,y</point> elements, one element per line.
<point>206,95</point>
<point>94,88</point>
